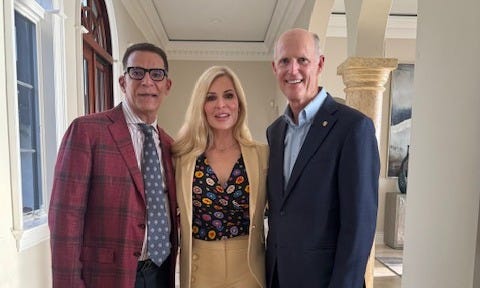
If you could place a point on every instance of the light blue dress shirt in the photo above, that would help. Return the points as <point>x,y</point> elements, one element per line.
<point>296,133</point>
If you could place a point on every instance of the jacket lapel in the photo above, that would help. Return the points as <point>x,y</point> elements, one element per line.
<point>252,166</point>
<point>276,158</point>
<point>121,135</point>
<point>187,164</point>
<point>322,124</point>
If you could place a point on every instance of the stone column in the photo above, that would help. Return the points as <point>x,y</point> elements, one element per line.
<point>364,79</point>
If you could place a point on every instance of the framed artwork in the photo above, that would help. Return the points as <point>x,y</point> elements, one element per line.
<point>401,94</point>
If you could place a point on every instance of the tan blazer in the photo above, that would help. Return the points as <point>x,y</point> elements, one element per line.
<point>256,163</point>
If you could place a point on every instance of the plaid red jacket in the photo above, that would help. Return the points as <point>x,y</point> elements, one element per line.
<point>97,208</point>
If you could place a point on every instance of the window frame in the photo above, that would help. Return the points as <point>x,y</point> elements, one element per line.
<point>30,230</point>
<point>30,219</point>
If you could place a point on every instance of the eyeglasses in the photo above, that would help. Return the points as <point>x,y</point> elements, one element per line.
<point>137,73</point>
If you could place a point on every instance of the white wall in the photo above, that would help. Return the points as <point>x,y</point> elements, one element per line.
<point>444,178</point>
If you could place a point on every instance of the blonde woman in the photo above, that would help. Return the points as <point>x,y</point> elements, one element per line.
<point>221,182</point>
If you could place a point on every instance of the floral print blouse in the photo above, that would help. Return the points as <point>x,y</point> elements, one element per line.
<point>220,211</point>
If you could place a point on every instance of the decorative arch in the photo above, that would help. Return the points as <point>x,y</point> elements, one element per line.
<point>97,57</point>
<point>366,26</point>
<point>320,18</point>
<point>117,69</point>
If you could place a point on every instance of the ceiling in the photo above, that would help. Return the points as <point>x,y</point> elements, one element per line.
<point>234,29</point>
<point>399,7</point>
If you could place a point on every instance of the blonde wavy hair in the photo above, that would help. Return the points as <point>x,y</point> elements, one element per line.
<point>196,135</point>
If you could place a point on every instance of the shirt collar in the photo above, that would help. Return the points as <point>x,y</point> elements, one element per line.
<point>307,114</point>
<point>133,118</point>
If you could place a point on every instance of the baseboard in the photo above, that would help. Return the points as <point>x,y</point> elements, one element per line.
<point>379,238</point>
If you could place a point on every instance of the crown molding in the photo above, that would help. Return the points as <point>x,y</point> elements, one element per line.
<point>226,51</point>
<point>145,15</point>
<point>398,27</point>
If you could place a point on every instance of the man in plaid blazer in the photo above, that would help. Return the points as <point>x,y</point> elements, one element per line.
<point>97,213</point>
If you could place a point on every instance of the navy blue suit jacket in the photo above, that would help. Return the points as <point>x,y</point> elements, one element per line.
<point>322,224</point>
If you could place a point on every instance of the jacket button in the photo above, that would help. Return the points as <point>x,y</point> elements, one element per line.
<point>193,279</point>
<point>254,226</point>
<point>137,254</point>
<point>194,256</point>
<point>194,268</point>
<point>282,213</point>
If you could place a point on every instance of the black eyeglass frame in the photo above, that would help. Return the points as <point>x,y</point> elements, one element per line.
<point>164,73</point>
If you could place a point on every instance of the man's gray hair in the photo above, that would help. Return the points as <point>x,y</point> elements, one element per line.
<point>316,43</point>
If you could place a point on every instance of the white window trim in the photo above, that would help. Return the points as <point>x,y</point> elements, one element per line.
<point>60,74</point>
<point>25,236</point>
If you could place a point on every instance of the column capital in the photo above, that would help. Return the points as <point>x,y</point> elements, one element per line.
<point>366,72</point>
<point>367,63</point>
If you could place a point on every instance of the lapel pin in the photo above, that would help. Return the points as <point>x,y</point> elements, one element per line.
<point>324,123</point>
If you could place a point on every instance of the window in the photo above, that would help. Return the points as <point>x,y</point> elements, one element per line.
<point>97,57</point>
<point>28,114</point>
<point>33,113</point>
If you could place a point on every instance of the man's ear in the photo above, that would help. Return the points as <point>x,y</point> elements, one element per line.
<point>121,81</point>
<point>321,63</point>
<point>169,84</point>
<point>274,68</point>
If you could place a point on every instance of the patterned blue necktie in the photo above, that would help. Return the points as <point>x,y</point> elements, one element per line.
<point>158,235</point>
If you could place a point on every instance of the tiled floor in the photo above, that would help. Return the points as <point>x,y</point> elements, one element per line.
<point>384,277</point>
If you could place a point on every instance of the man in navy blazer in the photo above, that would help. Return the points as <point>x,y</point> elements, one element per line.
<point>322,178</point>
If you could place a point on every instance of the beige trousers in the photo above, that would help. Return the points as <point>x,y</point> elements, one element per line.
<point>221,264</point>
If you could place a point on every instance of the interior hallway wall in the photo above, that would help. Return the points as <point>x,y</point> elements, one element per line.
<point>444,177</point>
